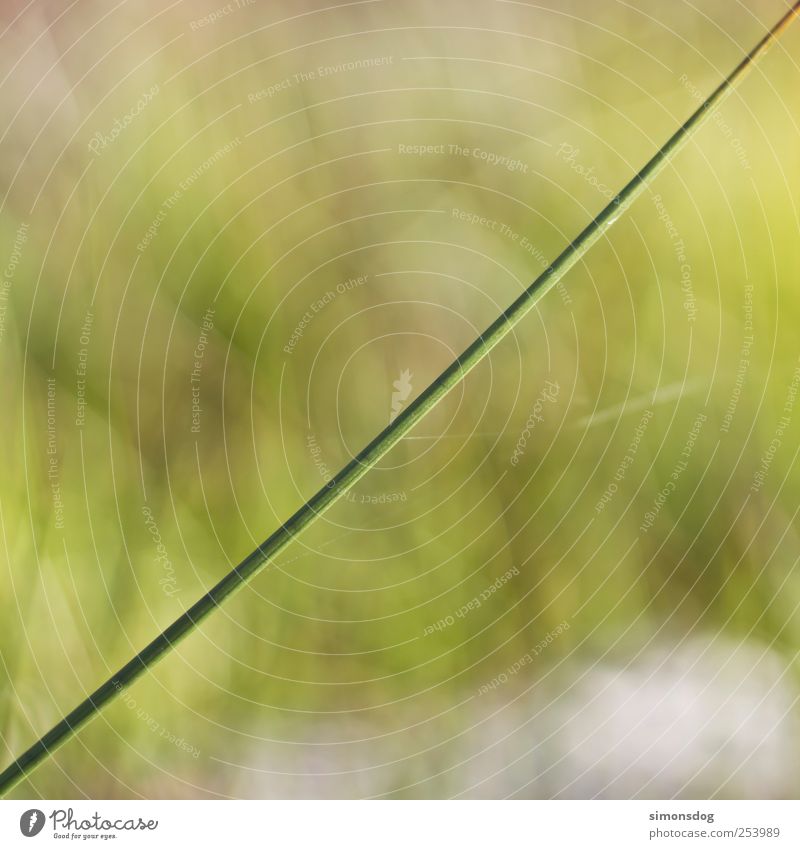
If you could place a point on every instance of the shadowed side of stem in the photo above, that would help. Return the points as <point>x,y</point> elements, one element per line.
<point>393,433</point>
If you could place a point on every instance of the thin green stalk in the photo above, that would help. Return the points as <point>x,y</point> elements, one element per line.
<point>382,443</point>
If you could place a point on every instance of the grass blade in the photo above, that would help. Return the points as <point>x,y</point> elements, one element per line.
<point>382,443</point>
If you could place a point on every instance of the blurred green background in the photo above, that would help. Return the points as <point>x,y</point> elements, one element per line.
<point>188,189</point>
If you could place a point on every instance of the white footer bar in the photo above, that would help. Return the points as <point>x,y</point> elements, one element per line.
<point>415,824</point>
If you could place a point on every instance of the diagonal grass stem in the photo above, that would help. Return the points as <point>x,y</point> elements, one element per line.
<point>383,442</point>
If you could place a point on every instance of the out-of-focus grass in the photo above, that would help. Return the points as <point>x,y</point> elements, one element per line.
<point>314,193</point>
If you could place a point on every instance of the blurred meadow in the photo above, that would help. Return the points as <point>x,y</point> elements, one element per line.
<point>235,240</point>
